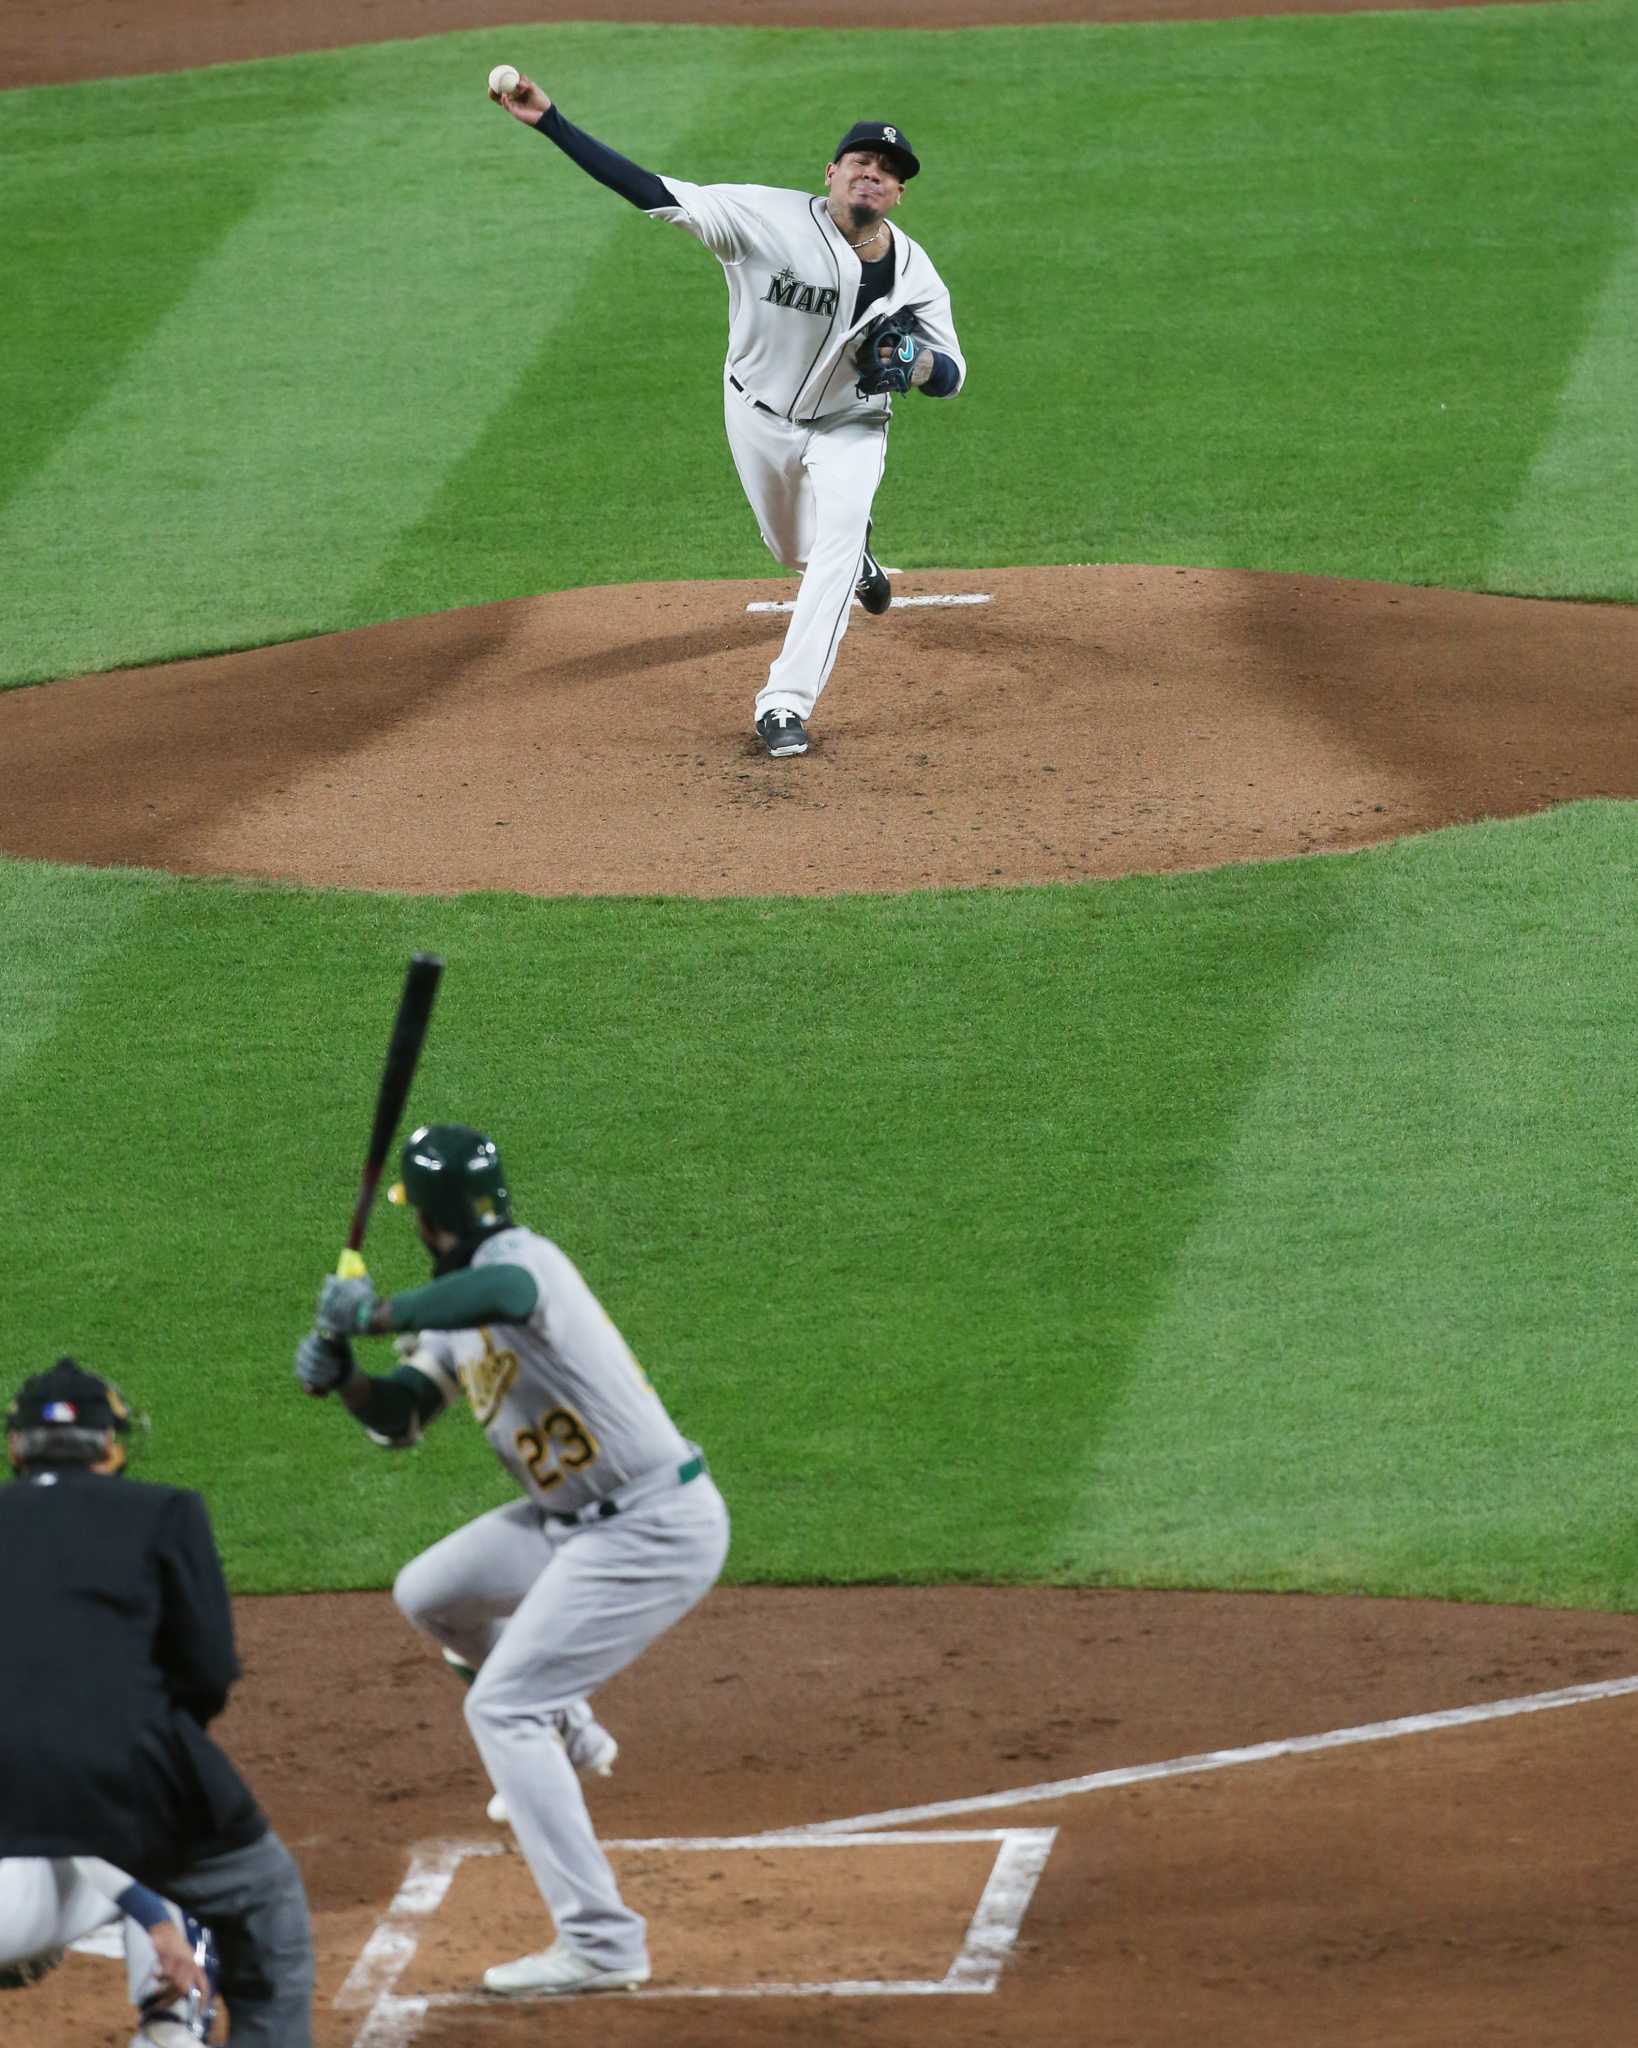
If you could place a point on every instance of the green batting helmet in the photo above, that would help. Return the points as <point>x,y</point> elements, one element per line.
<point>454,1176</point>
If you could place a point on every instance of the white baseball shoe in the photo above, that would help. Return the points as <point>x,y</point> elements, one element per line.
<point>165,2030</point>
<point>591,1749</point>
<point>557,1971</point>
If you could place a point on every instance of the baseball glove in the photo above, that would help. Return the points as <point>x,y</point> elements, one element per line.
<point>886,354</point>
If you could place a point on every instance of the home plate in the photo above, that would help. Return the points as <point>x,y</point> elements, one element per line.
<point>899,603</point>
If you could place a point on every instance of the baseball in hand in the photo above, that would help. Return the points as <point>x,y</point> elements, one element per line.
<point>504,78</point>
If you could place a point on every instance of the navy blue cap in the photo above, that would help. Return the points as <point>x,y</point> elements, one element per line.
<point>880,135</point>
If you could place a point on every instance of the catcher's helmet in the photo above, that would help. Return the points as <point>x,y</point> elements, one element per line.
<point>63,1417</point>
<point>454,1176</point>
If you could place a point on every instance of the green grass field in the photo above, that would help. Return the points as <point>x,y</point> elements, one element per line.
<point>323,340</point>
<point>1262,1228</point>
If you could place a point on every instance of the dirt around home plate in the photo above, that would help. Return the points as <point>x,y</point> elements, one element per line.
<point>1466,1885</point>
<point>1461,1887</point>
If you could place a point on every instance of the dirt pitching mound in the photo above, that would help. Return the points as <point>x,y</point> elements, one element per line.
<point>1080,722</point>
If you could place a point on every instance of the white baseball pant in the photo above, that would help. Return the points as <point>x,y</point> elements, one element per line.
<point>811,489</point>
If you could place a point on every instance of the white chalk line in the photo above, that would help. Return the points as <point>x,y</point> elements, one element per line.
<point>383,1957</point>
<point>393,2019</point>
<point>994,1926</point>
<point>1229,1759</point>
<point>898,604</point>
<point>386,2027</point>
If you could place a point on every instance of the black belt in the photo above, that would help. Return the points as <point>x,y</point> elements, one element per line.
<point>768,409</point>
<point>639,1490</point>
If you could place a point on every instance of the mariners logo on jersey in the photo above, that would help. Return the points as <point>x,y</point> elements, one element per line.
<point>787,289</point>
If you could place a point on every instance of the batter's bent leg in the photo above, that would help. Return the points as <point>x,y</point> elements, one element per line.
<point>611,1588</point>
<point>464,1589</point>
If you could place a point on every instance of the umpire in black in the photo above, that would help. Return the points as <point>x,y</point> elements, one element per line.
<point>119,1650</point>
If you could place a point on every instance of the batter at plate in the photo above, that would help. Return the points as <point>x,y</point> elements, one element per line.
<point>618,1531</point>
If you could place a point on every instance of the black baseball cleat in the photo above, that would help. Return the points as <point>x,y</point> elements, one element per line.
<point>782,732</point>
<point>872,590</point>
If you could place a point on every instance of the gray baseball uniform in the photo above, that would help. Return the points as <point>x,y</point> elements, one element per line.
<point>620,1533</point>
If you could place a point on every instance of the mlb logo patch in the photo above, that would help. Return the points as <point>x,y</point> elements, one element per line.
<point>60,1411</point>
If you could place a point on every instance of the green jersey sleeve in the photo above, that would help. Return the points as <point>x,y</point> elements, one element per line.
<point>467,1300</point>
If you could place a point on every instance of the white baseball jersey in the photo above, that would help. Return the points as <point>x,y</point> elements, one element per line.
<point>49,1903</point>
<point>793,282</point>
<point>566,1407</point>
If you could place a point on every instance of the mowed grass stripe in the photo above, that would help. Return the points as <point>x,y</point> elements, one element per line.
<point>1394,1352</point>
<point>1187,1230</point>
<point>1303,299</point>
<point>56,933</point>
<point>115,198</point>
<point>1272,315</point>
<point>962,1243</point>
<point>1558,537</point>
<point>608,441</point>
<point>336,353</point>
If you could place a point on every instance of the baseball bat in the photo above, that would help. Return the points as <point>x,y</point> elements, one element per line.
<point>409,1032</point>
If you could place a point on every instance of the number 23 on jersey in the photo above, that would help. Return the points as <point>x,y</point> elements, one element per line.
<point>557,1445</point>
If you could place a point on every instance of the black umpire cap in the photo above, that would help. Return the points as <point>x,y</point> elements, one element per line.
<point>884,136</point>
<point>65,1414</point>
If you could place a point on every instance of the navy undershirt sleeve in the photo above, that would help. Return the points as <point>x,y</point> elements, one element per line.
<point>146,1908</point>
<point>942,383</point>
<point>606,165</point>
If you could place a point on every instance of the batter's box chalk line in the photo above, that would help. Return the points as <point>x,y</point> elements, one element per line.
<point>392,2018</point>
<point>899,604</point>
<point>1232,1759</point>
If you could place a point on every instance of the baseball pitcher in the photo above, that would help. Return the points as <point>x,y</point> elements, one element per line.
<point>619,1531</point>
<point>832,311</point>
